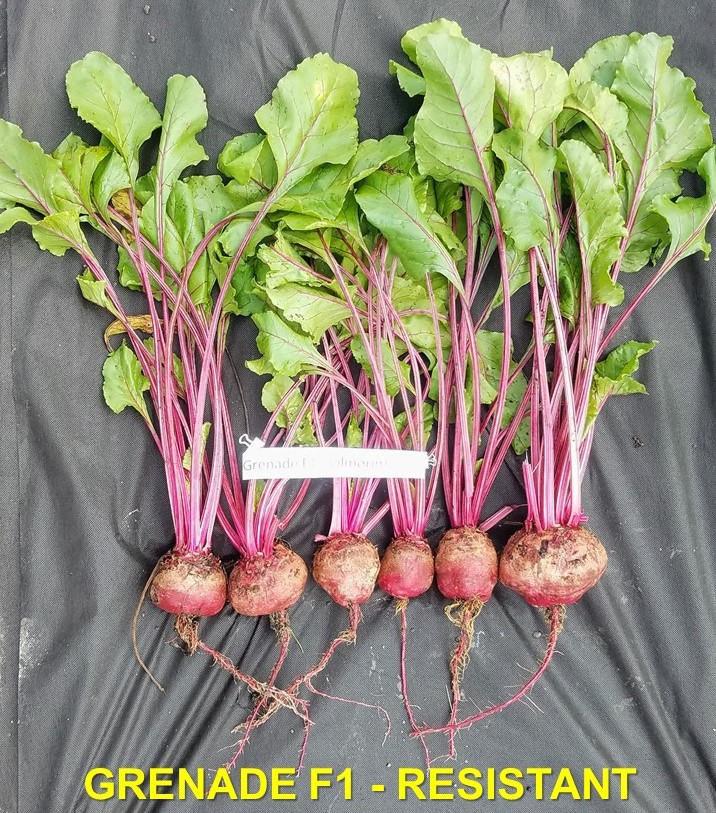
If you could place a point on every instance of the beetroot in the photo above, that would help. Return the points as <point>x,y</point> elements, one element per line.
<point>407,567</point>
<point>554,566</point>
<point>406,571</point>
<point>261,585</point>
<point>189,584</point>
<point>346,567</point>
<point>466,571</point>
<point>466,565</point>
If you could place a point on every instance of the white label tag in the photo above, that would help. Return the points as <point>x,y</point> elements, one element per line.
<point>315,462</point>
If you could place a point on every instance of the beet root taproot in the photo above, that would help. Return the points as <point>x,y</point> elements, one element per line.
<point>554,566</point>
<point>189,584</point>
<point>466,565</point>
<point>262,585</point>
<point>346,566</point>
<point>407,568</point>
<point>466,573</point>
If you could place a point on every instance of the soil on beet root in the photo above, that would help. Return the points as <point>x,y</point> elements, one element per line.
<point>555,566</point>
<point>192,585</point>
<point>346,567</point>
<point>264,585</point>
<point>466,565</point>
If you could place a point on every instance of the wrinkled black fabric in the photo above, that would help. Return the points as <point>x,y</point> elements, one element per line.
<point>83,515</point>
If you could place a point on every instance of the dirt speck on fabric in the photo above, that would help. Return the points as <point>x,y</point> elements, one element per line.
<point>30,647</point>
<point>373,663</point>
<point>2,653</point>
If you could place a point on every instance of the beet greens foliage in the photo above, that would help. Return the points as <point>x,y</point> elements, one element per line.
<point>578,175</point>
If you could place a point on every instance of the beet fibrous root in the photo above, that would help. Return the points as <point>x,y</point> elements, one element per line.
<point>555,618</point>
<point>554,566</point>
<point>263,585</point>
<point>462,614</point>
<point>192,584</point>
<point>407,568</point>
<point>346,567</point>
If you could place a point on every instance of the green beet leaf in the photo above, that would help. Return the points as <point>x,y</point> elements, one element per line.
<point>283,350</point>
<point>186,460</point>
<point>595,105</point>
<point>688,217</point>
<point>412,38</point>
<point>79,163</point>
<point>282,264</point>
<point>110,177</point>
<point>314,309</point>
<point>29,177</point>
<point>248,158</point>
<point>599,64</point>
<point>410,82</point>
<point>392,375</point>
<point>570,279</point>
<point>530,90</point>
<point>454,125</point>
<point>600,225</point>
<point>185,115</point>
<point>124,383</point>
<point>14,215</point>
<point>525,198</point>
<point>614,376</point>
<point>243,299</point>
<point>322,194</point>
<point>95,291</point>
<point>273,393</point>
<point>310,119</point>
<point>59,232</point>
<point>667,125</point>
<point>390,204</point>
<point>104,95</point>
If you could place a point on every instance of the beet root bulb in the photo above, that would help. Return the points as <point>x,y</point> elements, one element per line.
<point>189,584</point>
<point>407,568</point>
<point>555,566</point>
<point>466,565</point>
<point>346,567</point>
<point>261,585</point>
